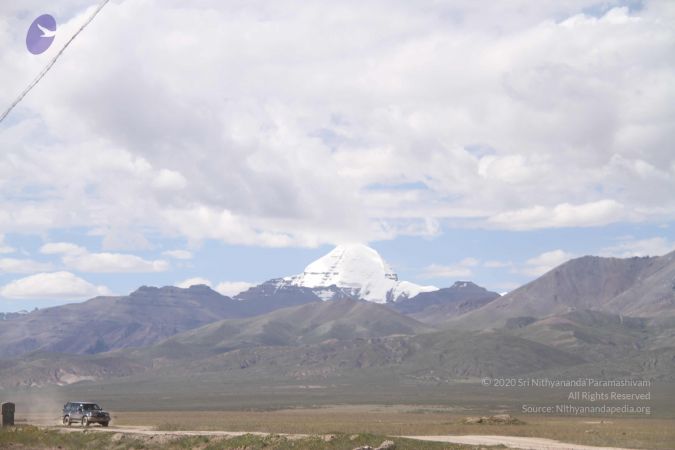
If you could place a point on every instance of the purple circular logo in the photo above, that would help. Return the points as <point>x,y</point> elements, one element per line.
<point>41,34</point>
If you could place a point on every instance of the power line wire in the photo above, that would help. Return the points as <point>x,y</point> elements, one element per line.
<point>52,62</point>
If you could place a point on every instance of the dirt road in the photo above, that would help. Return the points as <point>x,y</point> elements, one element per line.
<point>149,431</point>
<point>526,443</point>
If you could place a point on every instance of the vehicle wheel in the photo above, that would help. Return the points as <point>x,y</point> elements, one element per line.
<point>66,420</point>
<point>104,424</point>
<point>85,422</point>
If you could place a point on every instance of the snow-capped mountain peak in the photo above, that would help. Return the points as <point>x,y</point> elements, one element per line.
<point>358,271</point>
<point>346,266</point>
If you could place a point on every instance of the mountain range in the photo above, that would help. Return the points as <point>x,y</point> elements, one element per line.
<point>106,323</point>
<point>437,307</point>
<point>348,313</point>
<point>150,314</point>
<point>637,287</point>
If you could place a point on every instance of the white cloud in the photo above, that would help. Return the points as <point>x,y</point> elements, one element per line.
<point>78,258</point>
<point>122,238</point>
<point>470,262</point>
<point>597,213</point>
<point>383,136</point>
<point>655,246</point>
<point>227,288</point>
<point>178,254</point>
<point>54,285</point>
<point>494,264</point>
<point>232,288</point>
<point>192,282</point>
<point>544,262</point>
<point>460,270</point>
<point>169,180</point>
<point>113,262</point>
<point>62,248</point>
<point>14,265</point>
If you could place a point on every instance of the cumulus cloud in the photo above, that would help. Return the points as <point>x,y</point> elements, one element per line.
<point>544,262</point>
<point>564,215</point>
<point>178,254</point>
<point>655,246</point>
<point>463,269</point>
<point>193,282</point>
<point>232,288</point>
<point>54,285</point>
<point>122,238</point>
<point>113,262</point>
<point>170,180</point>
<point>227,288</point>
<point>269,124</point>
<point>495,264</point>
<point>79,258</point>
<point>66,248</point>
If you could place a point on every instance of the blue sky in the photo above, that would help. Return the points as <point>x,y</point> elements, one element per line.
<point>248,138</point>
<point>461,254</point>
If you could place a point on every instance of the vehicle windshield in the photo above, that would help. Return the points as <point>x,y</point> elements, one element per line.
<point>90,407</point>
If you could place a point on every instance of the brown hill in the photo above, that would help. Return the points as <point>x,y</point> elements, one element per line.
<point>142,318</point>
<point>631,286</point>
<point>653,294</point>
<point>438,306</point>
<point>318,340</point>
<point>311,323</point>
<point>347,338</point>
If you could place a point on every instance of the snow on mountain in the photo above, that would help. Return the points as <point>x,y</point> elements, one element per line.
<point>358,271</point>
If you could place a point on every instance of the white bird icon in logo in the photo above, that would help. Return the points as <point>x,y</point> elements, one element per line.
<point>46,32</point>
